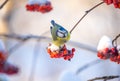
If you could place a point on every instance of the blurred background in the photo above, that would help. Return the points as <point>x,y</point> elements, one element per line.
<point>104,20</point>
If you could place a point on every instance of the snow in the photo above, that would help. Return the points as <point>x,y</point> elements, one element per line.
<point>69,76</point>
<point>118,48</point>
<point>105,42</point>
<point>4,77</point>
<point>37,1</point>
<point>53,47</point>
<point>2,47</point>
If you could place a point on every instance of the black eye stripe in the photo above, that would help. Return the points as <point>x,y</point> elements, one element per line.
<point>61,32</point>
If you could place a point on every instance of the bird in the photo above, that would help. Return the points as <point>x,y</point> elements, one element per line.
<point>59,34</point>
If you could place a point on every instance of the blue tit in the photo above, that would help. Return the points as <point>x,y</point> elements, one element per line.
<point>59,34</point>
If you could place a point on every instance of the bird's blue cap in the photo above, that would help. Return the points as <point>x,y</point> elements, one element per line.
<point>53,22</point>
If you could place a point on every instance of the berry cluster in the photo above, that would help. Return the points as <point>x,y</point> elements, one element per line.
<point>6,67</point>
<point>115,2</point>
<point>43,8</point>
<point>62,53</point>
<point>106,50</point>
<point>110,53</point>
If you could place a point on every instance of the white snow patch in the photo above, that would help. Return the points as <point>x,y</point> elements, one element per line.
<point>118,48</point>
<point>37,1</point>
<point>105,42</point>
<point>53,47</point>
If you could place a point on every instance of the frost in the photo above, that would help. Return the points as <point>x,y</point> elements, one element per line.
<point>105,42</point>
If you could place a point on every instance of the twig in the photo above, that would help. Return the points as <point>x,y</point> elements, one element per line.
<point>115,40</point>
<point>104,78</point>
<point>88,65</point>
<point>22,37</point>
<point>3,4</point>
<point>86,12</point>
<point>12,49</point>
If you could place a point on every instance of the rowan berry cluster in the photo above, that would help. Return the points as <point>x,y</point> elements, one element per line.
<point>5,66</point>
<point>116,3</point>
<point>39,7</point>
<point>106,50</point>
<point>62,53</point>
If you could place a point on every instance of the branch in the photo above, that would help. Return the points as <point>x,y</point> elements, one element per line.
<point>115,40</point>
<point>86,12</point>
<point>22,37</point>
<point>27,37</point>
<point>12,49</point>
<point>3,4</point>
<point>104,78</point>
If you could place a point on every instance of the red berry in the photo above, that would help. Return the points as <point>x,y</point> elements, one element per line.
<point>43,8</point>
<point>3,56</point>
<point>114,2</point>
<point>73,49</point>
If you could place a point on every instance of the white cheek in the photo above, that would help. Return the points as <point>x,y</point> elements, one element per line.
<point>60,34</point>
